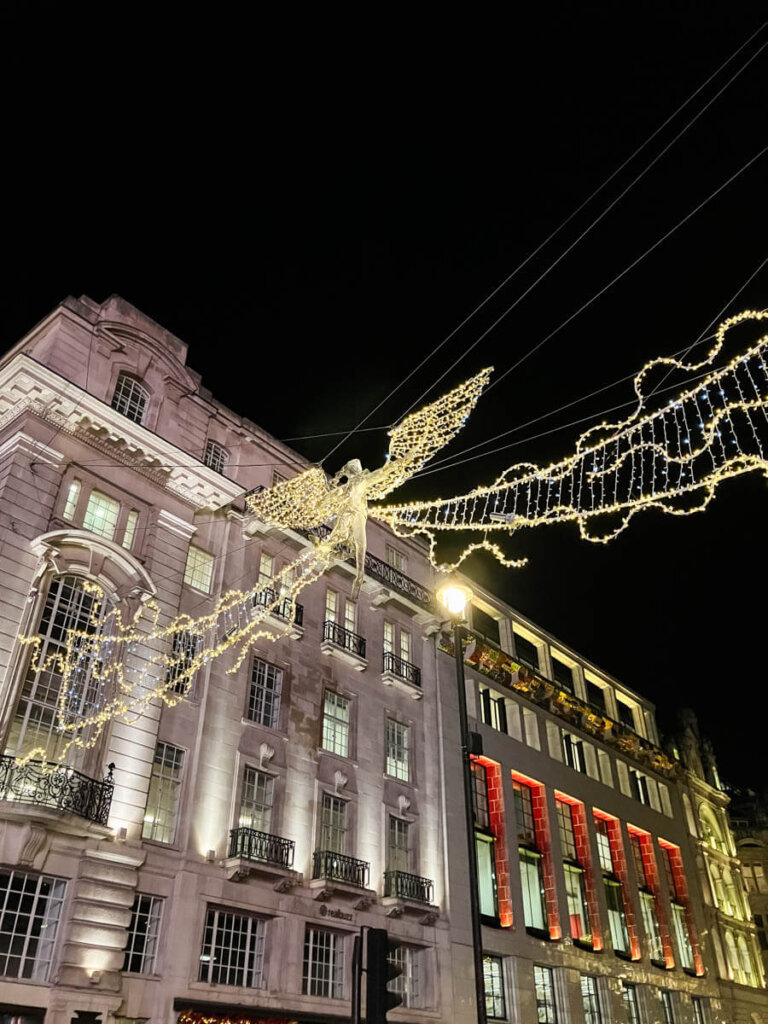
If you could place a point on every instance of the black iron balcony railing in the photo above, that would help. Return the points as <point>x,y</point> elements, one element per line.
<point>285,609</point>
<point>340,868</point>
<point>255,845</point>
<point>403,669</point>
<point>408,887</point>
<point>397,580</point>
<point>344,638</point>
<point>61,788</point>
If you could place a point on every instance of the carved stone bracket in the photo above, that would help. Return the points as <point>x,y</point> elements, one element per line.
<point>396,910</point>
<point>429,919</point>
<point>363,903</point>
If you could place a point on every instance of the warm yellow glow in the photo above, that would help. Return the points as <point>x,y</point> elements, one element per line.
<point>454,597</point>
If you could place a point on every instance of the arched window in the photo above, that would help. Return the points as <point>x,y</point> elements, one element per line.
<point>718,890</point>
<point>68,606</point>
<point>216,456</point>
<point>711,829</point>
<point>733,956</point>
<point>745,961</point>
<point>130,397</point>
<point>732,895</point>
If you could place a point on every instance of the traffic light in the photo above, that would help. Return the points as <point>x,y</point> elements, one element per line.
<point>380,969</point>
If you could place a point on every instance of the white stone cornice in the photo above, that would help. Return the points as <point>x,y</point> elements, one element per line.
<point>38,451</point>
<point>28,385</point>
<point>168,521</point>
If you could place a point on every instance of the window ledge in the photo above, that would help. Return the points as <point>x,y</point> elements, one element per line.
<point>399,906</point>
<point>322,889</point>
<point>239,868</point>
<point>334,651</point>
<point>390,679</point>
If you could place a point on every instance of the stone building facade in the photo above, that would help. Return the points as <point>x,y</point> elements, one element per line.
<point>749,824</point>
<point>214,860</point>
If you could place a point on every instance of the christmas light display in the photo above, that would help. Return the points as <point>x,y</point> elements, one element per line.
<point>672,458</point>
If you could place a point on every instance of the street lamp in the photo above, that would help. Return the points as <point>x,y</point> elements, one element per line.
<point>455,596</point>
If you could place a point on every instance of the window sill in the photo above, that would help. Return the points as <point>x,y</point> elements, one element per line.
<point>489,921</point>
<point>328,647</point>
<point>540,933</point>
<point>622,955</point>
<point>586,945</point>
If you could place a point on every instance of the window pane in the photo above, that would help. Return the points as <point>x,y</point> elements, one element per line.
<point>30,909</point>
<point>130,398</point>
<point>101,515</point>
<point>486,875</point>
<point>532,884</point>
<point>72,496</point>
<point>143,934</point>
<point>495,1006</point>
<point>526,651</point>
<point>199,569</point>
<point>215,456</point>
<point>265,693</point>
<point>323,973</point>
<point>336,724</point>
<point>546,1010</point>
<point>590,1000</point>
<point>256,800</point>
<point>397,750</point>
<point>333,825</point>
<point>398,854</point>
<point>233,949</point>
<point>163,798</point>
<point>130,529</point>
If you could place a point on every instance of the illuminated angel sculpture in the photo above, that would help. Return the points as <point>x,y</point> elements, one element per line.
<point>671,459</point>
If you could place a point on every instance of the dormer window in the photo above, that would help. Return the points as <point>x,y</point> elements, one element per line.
<point>215,456</point>
<point>130,397</point>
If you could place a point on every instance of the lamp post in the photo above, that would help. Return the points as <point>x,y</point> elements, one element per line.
<point>455,596</point>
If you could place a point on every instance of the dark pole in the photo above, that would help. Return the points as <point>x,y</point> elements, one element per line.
<point>474,899</point>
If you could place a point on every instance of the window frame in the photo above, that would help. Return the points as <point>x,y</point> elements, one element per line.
<point>253,954</point>
<point>192,569</point>
<point>397,767</point>
<point>164,782</point>
<point>151,934</point>
<point>336,725</point>
<point>264,699</point>
<point>497,996</point>
<point>215,456</point>
<point>45,941</point>
<point>123,404</point>
<point>333,985</point>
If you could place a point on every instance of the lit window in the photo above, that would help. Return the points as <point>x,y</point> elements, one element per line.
<point>573,753</point>
<point>233,949</point>
<point>350,615</point>
<point>130,529</point>
<point>72,495</point>
<point>266,569</point>
<point>398,759</point>
<point>682,938</point>
<point>532,885</point>
<point>30,910</point>
<point>639,785</point>
<point>523,798</point>
<point>484,842</point>
<point>67,606</point>
<point>199,569</point>
<point>590,1000</point>
<point>101,515</point>
<point>331,605</point>
<point>576,898</point>
<point>405,645</point>
<point>398,852</point>
<point>215,456</point>
<point>667,1008</point>
<point>256,800</point>
<point>265,693</point>
<point>163,797</point>
<point>130,398</point>
<point>185,647</point>
<point>617,921</point>
<point>389,638</point>
<point>333,824</point>
<point>546,1008</point>
<point>336,724</point>
<point>396,559</point>
<point>408,984</point>
<point>323,973</point>
<point>493,977</point>
<point>567,834</point>
<point>143,933</point>
<point>631,1004</point>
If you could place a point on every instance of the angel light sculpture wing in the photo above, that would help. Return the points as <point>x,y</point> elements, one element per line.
<point>672,459</point>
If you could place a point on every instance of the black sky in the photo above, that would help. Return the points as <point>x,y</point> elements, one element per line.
<point>314,205</point>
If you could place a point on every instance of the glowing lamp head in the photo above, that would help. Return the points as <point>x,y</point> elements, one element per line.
<point>454,597</point>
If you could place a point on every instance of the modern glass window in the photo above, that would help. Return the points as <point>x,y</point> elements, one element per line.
<point>562,674</point>
<point>566,830</point>
<point>323,972</point>
<point>617,921</point>
<point>198,572</point>
<point>73,495</point>
<point>398,750</point>
<point>486,875</point>
<point>333,824</point>
<point>493,978</point>
<point>398,846</point>
<point>215,456</point>
<point>101,515</point>
<point>185,646</point>
<point>631,1002</point>
<point>233,949</point>
<point>67,606</point>
<point>526,651</point>
<point>265,694</point>
<point>603,845</point>
<point>130,398</point>
<point>143,934</point>
<point>493,709</point>
<point>546,1008</point>
<point>590,1000</point>
<point>130,529</point>
<point>526,826</point>
<point>532,885</point>
<point>409,985</point>
<point>481,803</point>
<point>30,910</point>
<point>667,1008</point>
<point>164,791</point>
<point>256,800</point>
<point>573,752</point>
<point>336,724</point>
<point>576,897</point>
<point>396,559</point>
<point>651,925</point>
<point>639,786</point>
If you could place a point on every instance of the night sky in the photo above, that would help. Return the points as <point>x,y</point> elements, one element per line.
<point>314,206</point>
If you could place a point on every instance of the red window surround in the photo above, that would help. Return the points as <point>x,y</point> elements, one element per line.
<point>544,846</point>
<point>652,880</point>
<point>498,828</point>
<point>681,885</point>
<point>619,859</point>
<point>583,856</point>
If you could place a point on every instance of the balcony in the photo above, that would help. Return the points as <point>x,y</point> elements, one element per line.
<point>408,887</point>
<point>399,583</point>
<point>254,852</point>
<point>342,643</point>
<point>283,610</point>
<point>60,788</point>
<point>335,874</point>
<point>505,671</point>
<point>401,674</point>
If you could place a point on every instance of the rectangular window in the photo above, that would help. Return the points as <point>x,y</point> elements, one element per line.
<point>143,934</point>
<point>603,845</point>
<point>526,651</point>
<point>266,569</point>
<point>323,973</point>
<point>215,456</point>
<point>578,908</point>
<point>480,800</point>
<point>617,921</point>
<point>336,724</point>
<point>699,1012</point>
<point>72,497</point>
<point>484,624</point>
<point>398,752</point>
<point>493,977</point>
<point>631,1003</point>
<point>651,926</point>
<point>333,824</point>
<point>405,645</point>
<point>493,709</point>
<point>667,1007</point>
<point>30,910</point>
<point>639,786</point>
<point>396,559</point>
<point>256,800</point>
<point>565,826</point>
<point>350,615</point>
<point>562,674</point>
<point>546,1008</point>
<point>532,884</point>
<point>526,827</point>
<point>233,949</point>
<point>590,1000</point>
<point>409,984</point>
<point>573,753</point>
<point>398,852</point>
<point>331,605</point>
<point>389,638</point>
<point>101,515</point>
<point>265,693</point>
<point>596,696</point>
<point>682,938</point>
<point>163,797</point>
<point>130,529</point>
<point>626,714</point>
<point>486,875</point>
<point>185,646</point>
<point>198,572</point>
